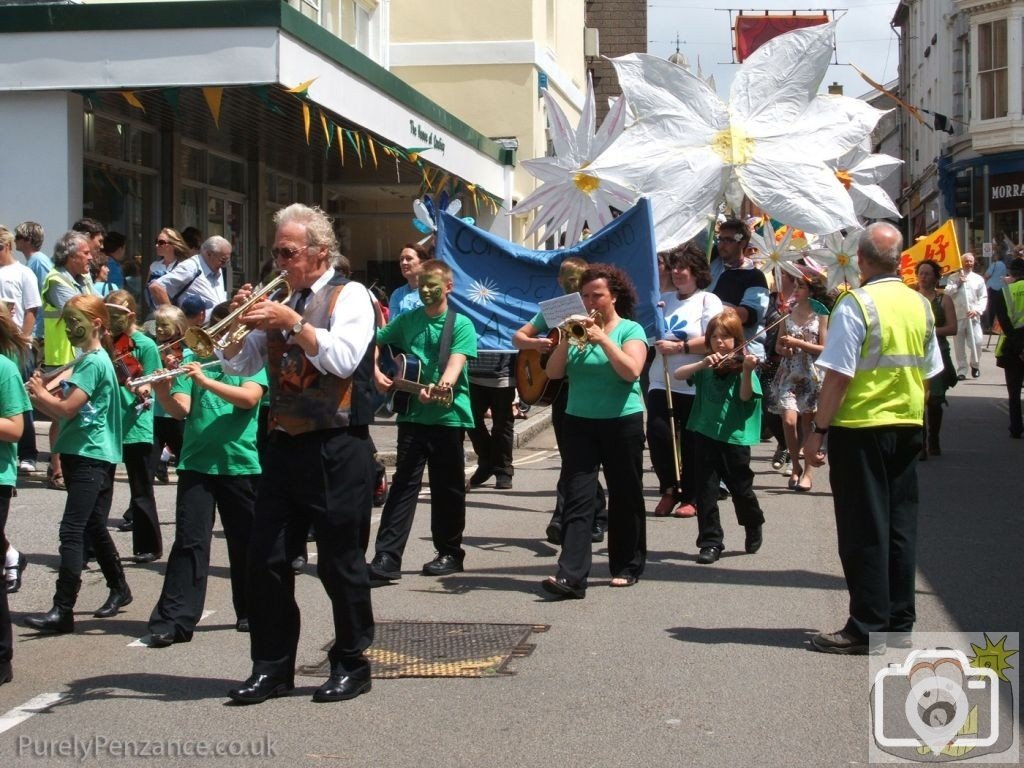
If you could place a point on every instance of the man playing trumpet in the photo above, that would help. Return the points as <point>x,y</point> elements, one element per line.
<point>318,465</point>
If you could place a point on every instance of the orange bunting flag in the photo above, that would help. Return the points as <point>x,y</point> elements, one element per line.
<point>939,246</point>
<point>132,100</point>
<point>305,120</point>
<point>213,98</point>
<point>302,88</point>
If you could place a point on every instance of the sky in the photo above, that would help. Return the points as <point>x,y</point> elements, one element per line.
<point>863,38</point>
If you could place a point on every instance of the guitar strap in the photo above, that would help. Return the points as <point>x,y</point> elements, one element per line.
<point>445,350</point>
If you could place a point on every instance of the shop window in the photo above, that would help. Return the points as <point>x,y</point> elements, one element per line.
<point>117,140</point>
<point>992,69</point>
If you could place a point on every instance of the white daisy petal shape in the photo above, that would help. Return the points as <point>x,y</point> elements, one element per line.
<point>839,256</point>
<point>861,172</point>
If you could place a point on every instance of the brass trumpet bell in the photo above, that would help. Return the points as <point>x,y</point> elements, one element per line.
<point>576,330</point>
<point>229,331</point>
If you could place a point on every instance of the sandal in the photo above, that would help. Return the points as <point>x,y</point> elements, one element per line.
<point>800,487</point>
<point>55,481</point>
<point>623,581</point>
<point>685,510</point>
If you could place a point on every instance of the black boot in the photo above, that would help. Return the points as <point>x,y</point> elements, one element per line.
<point>119,597</point>
<point>934,427</point>
<point>61,617</point>
<point>59,621</point>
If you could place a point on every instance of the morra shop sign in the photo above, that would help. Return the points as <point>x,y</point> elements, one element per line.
<point>1006,192</point>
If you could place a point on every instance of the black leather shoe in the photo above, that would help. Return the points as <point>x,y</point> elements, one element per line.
<point>503,483</point>
<point>146,557</point>
<point>975,373</point>
<point>6,673</point>
<point>708,555</point>
<point>57,621</point>
<point>844,643</point>
<point>299,564</point>
<point>563,589</point>
<point>242,625</point>
<point>384,567</point>
<point>126,525</point>
<point>259,688</point>
<point>597,534</point>
<point>442,565</point>
<point>117,599</point>
<point>554,534</point>
<point>342,687</point>
<point>160,639</point>
<point>480,477</point>
<point>13,585</point>
<point>755,537</point>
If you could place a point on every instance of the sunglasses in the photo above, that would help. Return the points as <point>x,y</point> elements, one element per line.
<point>287,254</point>
<point>163,242</point>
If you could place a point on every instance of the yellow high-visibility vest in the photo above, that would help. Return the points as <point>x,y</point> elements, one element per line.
<point>57,349</point>
<point>1013,294</point>
<point>888,386</point>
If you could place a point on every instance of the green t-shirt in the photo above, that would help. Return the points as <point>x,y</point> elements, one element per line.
<point>138,426</point>
<point>719,413</point>
<point>220,438</point>
<point>418,335</point>
<point>596,391</point>
<point>95,431</point>
<point>13,400</point>
<point>186,357</point>
<point>540,323</point>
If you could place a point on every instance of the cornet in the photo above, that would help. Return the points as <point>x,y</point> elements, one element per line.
<point>174,373</point>
<point>576,330</point>
<point>223,334</point>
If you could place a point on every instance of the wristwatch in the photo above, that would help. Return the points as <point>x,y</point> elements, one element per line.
<point>818,430</point>
<point>297,328</point>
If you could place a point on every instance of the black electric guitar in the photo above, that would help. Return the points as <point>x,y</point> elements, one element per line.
<point>532,382</point>
<point>406,386</point>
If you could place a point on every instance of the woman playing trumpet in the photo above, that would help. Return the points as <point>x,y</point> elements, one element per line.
<point>603,427</point>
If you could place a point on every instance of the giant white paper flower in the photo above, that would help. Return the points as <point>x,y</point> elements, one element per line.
<point>839,257</point>
<point>568,195</point>
<point>774,253</point>
<point>688,148</point>
<point>860,172</point>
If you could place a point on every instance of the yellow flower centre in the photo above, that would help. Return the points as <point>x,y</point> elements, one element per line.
<point>586,183</point>
<point>842,259</point>
<point>844,178</point>
<point>733,145</point>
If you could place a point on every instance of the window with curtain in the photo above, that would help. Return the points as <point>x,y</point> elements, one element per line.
<point>992,70</point>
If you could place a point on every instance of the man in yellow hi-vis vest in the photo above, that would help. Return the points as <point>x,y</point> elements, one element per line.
<point>69,277</point>
<point>881,349</point>
<point>1009,309</point>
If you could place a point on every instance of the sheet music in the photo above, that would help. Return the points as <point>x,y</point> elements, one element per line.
<point>557,310</point>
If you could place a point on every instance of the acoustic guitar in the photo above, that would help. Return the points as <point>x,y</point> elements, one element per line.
<point>406,386</point>
<point>535,388</point>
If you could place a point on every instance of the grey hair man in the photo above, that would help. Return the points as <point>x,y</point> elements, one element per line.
<point>201,276</point>
<point>881,349</point>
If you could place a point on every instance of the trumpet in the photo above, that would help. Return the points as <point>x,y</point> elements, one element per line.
<point>143,381</point>
<point>576,330</point>
<point>222,334</point>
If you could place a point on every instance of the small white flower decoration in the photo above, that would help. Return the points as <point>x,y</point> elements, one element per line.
<point>838,255</point>
<point>861,172</point>
<point>482,291</point>
<point>774,254</point>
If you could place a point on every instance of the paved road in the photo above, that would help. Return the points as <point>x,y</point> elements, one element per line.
<point>696,665</point>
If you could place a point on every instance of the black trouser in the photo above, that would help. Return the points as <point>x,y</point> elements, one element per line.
<point>1013,373</point>
<point>659,440</point>
<point>873,472</point>
<point>184,592</point>
<point>90,489</point>
<point>325,477</point>
<point>167,431</point>
<point>558,407</point>
<point>617,445</point>
<point>6,634</point>
<point>146,536</point>
<point>722,462</point>
<point>27,450</point>
<point>440,449</point>
<point>493,449</point>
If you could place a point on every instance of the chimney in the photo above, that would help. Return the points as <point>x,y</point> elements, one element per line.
<point>836,89</point>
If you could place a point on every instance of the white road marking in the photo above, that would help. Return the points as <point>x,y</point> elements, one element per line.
<point>535,458</point>
<point>18,715</point>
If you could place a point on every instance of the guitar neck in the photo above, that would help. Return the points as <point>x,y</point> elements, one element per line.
<point>402,385</point>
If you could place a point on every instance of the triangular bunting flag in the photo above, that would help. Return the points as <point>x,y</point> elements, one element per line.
<point>132,101</point>
<point>341,143</point>
<point>171,96</point>
<point>373,151</point>
<point>302,89</point>
<point>213,98</point>
<point>305,120</point>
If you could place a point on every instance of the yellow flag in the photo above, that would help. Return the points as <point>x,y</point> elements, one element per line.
<point>323,124</point>
<point>939,246</point>
<point>341,142</point>
<point>373,150</point>
<point>301,88</point>
<point>213,98</point>
<point>130,98</point>
<point>305,120</point>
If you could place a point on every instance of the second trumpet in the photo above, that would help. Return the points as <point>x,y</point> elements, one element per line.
<point>230,330</point>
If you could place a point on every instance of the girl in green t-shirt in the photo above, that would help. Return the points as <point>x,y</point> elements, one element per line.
<point>13,349</point>
<point>90,443</point>
<point>726,421</point>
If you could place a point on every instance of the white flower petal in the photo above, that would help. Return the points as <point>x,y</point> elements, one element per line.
<point>873,202</point>
<point>660,92</point>
<point>828,128</point>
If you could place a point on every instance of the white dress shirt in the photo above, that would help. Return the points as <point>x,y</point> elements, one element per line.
<point>202,281</point>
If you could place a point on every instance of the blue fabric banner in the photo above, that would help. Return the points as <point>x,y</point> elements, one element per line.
<point>498,284</point>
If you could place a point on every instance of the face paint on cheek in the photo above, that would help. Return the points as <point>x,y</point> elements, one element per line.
<point>164,331</point>
<point>119,322</point>
<point>571,281</point>
<point>431,291</point>
<point>77,327</point>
